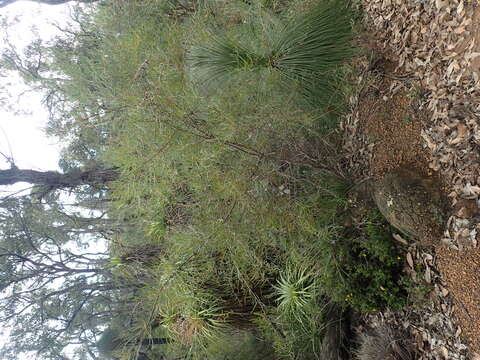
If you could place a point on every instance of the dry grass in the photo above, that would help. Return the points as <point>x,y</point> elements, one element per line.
<point>385,343</point>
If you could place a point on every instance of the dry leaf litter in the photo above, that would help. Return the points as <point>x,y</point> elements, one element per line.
<point>436,42</point>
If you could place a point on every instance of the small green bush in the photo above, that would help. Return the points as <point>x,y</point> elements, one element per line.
<point>294,290</point>
<point>318,332</point>
<point>362,269</point>
<point>304,323</point>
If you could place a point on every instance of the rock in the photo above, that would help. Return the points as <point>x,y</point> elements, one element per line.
<point>410,202</point>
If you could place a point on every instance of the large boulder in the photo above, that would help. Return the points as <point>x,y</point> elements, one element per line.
<point>411,202</point>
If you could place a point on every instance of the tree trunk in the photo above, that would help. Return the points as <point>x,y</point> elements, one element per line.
<point>4,3</point>
<point>54,180</point>
<point>156,341</point>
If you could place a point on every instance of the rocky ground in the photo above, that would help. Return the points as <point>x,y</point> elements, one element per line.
<point>419,107</point>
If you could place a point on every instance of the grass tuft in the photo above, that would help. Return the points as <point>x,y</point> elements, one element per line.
<point>384,342</point>
<point>305,53</point>
<point>294,290</point>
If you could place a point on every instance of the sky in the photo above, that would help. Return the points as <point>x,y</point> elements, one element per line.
<point>21,134</point>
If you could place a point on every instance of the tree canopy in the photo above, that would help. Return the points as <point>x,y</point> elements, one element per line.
<point>49,273</point>
<point>59,288</point>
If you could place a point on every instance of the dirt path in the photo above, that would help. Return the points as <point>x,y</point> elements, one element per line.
<point>461,271</point>
<point>422,109</point>
<point>385,134</point>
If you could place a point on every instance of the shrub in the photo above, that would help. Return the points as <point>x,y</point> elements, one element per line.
<point>191,316</point>
<point>294,290</point>
<point>362,269</point>
<point>320,332</point>
<point>301,54</point>
<point>305,324</point>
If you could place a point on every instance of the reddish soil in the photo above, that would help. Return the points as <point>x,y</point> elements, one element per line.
<point>439,42</point>
<point>392,120</point>
<point>460,270</point>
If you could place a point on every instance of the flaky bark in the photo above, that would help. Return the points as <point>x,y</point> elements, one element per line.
<point>57,180</point>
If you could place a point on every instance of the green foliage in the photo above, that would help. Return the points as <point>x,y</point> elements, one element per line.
<point>294,290</point>
<point>231,193</point>
<point>319,333</point>
<point>240,345</point>
<point>305,323</point>
<point>363,270</point>
<point>302,54</point>
<point>197,324</point>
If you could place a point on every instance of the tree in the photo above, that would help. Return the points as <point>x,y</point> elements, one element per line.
<point>96,177</point>
<point>68,72</point>
<point>113,340</point>
<point>4,3</point>
<point>56,290</point>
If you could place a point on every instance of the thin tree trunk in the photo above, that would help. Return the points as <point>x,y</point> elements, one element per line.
<point>156,341</point>
<point>56,180</point>
<point>4,3</point>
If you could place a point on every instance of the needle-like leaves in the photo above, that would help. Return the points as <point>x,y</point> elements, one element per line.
<point>305,52</point>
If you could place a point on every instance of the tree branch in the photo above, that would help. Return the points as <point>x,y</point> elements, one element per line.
<point>4,3</point>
